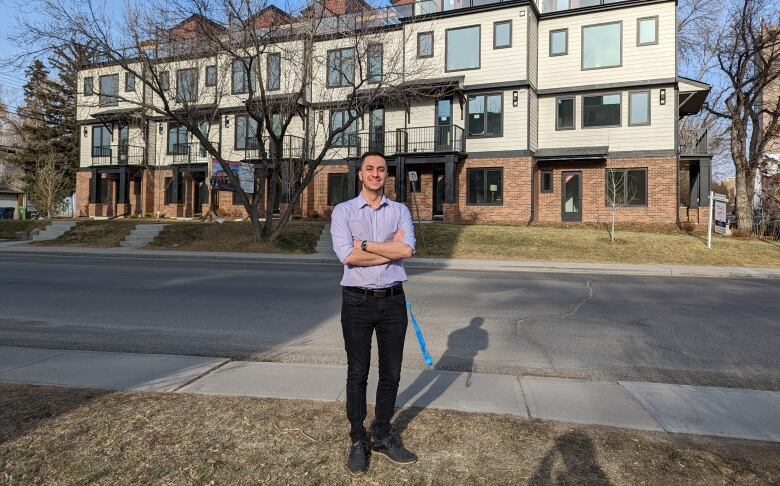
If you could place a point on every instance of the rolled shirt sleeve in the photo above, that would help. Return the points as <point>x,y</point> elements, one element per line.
<point>343,244</point>
<point>408,226</point>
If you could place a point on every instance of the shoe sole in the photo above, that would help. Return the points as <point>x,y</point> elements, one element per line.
<point>355,473</point>
<point>384,455</point>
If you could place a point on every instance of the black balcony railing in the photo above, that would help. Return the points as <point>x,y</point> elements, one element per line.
<point>693,142</point>
<point>190,153</point>
<point>444,138</point>
<point>292,148</point>
<point>118,155</point>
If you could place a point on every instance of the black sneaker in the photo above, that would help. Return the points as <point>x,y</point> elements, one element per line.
<point>357,462</point>
<point>392,448</point>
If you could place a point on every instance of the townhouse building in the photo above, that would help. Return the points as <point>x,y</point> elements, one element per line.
<point>534,110</point>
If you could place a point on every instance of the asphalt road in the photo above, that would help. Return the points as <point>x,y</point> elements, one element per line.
<point>703,331</point>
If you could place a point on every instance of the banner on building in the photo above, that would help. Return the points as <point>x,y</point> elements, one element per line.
<point>243,172</point>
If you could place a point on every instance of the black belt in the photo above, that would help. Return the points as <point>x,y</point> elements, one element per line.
<point>380,293</point>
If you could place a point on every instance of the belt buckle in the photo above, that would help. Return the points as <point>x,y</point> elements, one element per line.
<point>380,293</point>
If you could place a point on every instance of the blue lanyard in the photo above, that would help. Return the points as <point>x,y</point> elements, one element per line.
<point>420,338</point>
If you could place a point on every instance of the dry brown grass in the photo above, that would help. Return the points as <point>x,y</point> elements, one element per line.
<point>96,234</point>
<point>9,227</point>
<point>584,244</point>
<point>59,436</point>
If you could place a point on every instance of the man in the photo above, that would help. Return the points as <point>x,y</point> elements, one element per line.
<point>371,236</point>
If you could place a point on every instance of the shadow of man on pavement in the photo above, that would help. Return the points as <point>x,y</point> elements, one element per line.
<point>462,347</point>
<point>580,465</point>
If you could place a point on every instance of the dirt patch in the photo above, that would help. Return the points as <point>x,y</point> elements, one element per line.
<point>60,436</point>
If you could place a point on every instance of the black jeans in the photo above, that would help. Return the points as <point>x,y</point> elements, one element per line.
<point>360,316</point>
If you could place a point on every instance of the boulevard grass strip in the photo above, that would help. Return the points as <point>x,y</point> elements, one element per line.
<point>299,236</point>
<point>94,234</point>
<point>9,227</point>
<point>584,244</point>
<point>77,436</point>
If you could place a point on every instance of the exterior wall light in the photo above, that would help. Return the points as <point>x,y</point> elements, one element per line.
<point>160,127</point>
<point>663,96</point>
<point>85,131</point>
<point>514,98</point>
<point>227,121</point>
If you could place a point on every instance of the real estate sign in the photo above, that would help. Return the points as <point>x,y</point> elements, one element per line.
<point>719,213</point>
<point>244,173</point>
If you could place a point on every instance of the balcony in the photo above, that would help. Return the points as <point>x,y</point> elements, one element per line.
<point>694,143</point>
<point>190,153</point>
<point>293,148</point>
<point>404,141</point>
<point>550,6</point>
<point>108,155</point>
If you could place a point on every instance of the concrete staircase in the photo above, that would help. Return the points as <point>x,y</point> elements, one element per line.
<point>142,235</point>
<point>54,230</point>
<point>325,244</point>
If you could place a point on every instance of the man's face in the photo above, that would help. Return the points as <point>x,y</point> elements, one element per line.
<point>374,172</point>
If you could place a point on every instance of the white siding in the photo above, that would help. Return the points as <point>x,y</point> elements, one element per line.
<point>515,127</point>
<point>533,48</point>
<point>533,122</point>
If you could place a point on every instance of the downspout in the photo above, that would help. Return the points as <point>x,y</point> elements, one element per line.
<point>533,194</point>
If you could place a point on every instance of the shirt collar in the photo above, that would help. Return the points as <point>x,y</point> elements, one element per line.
<point>362,201</point>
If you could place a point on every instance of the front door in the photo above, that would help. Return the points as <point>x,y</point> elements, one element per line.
<point>571,196</point>
<point>438,195</point>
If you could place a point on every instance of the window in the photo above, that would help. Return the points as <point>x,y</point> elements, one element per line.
<point>647,31</point>
<point>102,196</point>
<point>601,111</point>
<point>559,42</point>
<point>347,137</point>
<point>341,67</point>
<point>246,133</point>
<point>187,84</point>
<point>638,108</point>
<point>463,49</point>
<point>375,55</point>
<point>169,190</point>
<point>129,82</point>
<point>485,115</point>
<point>165,81</point>
<point>274,74</point>
<point>240,80</point>
<point>137,186</point>
<point>485,186</point>
<point>89,88</point>
<point>337,188</point>
<point>425,44</point>
<point>101,141</point>
<point>376,129</point>
<point>602,45</point>
<point>626,187</point>
<point>547,181</point>
<point>177,139</point>
<point>502,34</point>
<point>564,114</point>
<point>109,86</point>
<point>211,75</point>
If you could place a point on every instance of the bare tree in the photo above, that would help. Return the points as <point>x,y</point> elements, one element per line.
<point>619,194</point>
<point>748,53</point>
<point>49,185</point>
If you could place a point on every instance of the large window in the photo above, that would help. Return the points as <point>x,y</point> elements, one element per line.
<point>638,108</point>
<point>601,110</point>
<point>602,45</point>
<point>346,138</point>
<point>375,54</point>
<point>485,113</point>
<point>101,141</point>
<point>246,133</point>
<point>564,114</point>
<point>463,48</point>
<point>647,31</point>
<point>502,34</point>
<point>187,84</point>
<point>239,75</point>
<point>485,186</point>
<point>338,185</point>
<point>341,67</point>
<point>177,139</point>
<point>169,190</point>
<point>559,42</point>
<point>626,187</point>
<point>376,129</point>
<point>274,74</point>
<point>129,81</point>
<point>425,44</point>
<point>165,81</point>
<point>89,88</point>
<point>211,75</point>
<point>109,86</point>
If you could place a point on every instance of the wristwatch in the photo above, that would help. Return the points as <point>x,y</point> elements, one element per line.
<point>364,245</point>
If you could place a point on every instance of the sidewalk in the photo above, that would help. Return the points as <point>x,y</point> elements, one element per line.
<point>427,263</point>
<point>724,412</point>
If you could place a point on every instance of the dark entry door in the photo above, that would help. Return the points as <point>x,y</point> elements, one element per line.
<point>438,195</point>
<point>571,196</point>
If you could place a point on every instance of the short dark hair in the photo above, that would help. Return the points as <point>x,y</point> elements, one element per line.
<point>370,153</point>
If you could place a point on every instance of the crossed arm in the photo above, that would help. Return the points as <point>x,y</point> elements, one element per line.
<point>377,253</point>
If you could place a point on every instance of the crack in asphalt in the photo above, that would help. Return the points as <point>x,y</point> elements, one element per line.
<point>576,308</point>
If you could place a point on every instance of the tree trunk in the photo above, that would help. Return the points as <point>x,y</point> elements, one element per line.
<point>744,201</point>
<point>612,233</point>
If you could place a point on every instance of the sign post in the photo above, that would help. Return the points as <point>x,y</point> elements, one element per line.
<point>413,179</point>
<point>709,225</point>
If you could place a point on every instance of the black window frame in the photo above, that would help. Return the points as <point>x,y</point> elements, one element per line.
<point>129,82</point>
<point>582,45</point>
<point>165,80</point>
<point>468,116</point>
<point>269,76</point>
<point>639,43</point>
<point>649,108</point>
<point>495,31</point>
<point>338,54</point>
<point>210,72</point>
<point>479,44</point>
<point>546,176</point>
<point>178,127</point>
<point>485,180</point>
<point>108,99</point>
<point>345,188</point>
<point>573,126</point>
<point>246,145</point>
<point>419,35</point>
<point>246,74</point>
<point>371,50</point>
<point>194,94</point>
<point>89,86</point>
<point>109,128</point>
<point>625,172</point>
<point>566,43</point>
<point>595,95</point>
<point>168,182</point>
<point>341,136</point>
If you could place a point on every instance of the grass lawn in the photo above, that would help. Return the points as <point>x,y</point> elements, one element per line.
<point>9,227</point>
<point>98,234</point>
<point>582,244</point>
<point>300,236</point>
<point>61,436</point>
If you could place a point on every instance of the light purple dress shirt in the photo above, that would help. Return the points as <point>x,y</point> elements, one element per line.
<point>357,220</point>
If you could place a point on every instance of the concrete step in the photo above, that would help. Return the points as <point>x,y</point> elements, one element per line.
<point>62,224</point>
<point>147,239</point>
<point>143,232</point>
<point>133,244</point>
<point>152,226</point>
<point>54,230</point>
<point>142,235</point>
